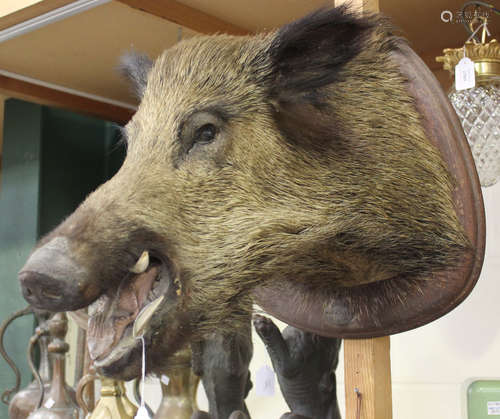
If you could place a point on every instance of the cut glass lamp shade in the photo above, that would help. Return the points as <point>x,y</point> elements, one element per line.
<point>479,111</point>
<point>478,108</point>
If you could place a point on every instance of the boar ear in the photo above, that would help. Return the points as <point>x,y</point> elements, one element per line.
<point>309,53</point>
<point>306,56</point>
<point>136,67</point>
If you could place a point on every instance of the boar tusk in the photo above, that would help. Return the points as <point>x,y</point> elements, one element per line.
<point>145,314</point>
<point>141,264</point>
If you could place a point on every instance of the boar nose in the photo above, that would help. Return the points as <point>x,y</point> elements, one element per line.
<point>52,280</point>
<point>42,291</point>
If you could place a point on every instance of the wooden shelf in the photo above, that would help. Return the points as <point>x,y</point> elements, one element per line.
<point>80,52</point>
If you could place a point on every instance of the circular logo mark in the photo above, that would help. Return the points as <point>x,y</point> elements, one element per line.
<point>446,16</point>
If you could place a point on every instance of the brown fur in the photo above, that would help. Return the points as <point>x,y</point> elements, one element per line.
<point>335,187</point>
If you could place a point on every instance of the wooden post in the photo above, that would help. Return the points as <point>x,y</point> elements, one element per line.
<point>367,372</point>
<point>367,362</point>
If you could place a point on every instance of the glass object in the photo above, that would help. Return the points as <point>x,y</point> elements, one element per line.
<point>479,111</point>
<point>478,108</point>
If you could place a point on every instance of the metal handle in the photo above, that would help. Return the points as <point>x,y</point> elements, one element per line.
<point>6,395</point>
<point>85,380</point>
<point>39,331</point>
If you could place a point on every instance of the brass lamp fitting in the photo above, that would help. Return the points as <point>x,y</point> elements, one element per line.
<point>486,58</point>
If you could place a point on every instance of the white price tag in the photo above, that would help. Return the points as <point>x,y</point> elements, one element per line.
<point>49,403</point>
<point>465,77</point>
<point>164,379</point>
<point>493,408</point>
<point>264,381</point>
<point>142,413</point>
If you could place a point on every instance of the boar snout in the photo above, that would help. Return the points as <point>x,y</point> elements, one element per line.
<point>52,280</point>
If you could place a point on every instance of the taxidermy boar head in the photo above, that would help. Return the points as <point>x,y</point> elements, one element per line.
<point>296,154</point>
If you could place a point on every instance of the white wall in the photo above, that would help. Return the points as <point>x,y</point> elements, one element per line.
<point>430,364</point>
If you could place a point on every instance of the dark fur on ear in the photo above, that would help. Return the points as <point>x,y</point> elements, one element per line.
<point>307,54</point>
<point>308,57</point>
<point>135,68</point>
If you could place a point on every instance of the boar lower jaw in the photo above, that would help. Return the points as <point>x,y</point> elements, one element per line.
<point>112,316</point>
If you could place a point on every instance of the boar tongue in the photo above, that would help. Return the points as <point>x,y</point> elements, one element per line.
<point>111,314</point>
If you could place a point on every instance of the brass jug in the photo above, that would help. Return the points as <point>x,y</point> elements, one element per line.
<point>26,401</point>
<point>59,402</point>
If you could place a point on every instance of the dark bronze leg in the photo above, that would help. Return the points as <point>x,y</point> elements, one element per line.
<point>222,363</point>
<point>305,365</point>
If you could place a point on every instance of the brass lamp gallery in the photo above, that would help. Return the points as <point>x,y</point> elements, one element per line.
<point>476,91</point>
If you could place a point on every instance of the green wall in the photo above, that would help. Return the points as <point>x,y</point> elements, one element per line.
<point>76,154</point>
<point>52,159</point>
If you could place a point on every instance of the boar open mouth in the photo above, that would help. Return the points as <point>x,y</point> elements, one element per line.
<point>145,290</point>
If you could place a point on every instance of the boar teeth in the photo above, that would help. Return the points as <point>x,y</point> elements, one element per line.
<point>141,264</point>
<point>144,315</point>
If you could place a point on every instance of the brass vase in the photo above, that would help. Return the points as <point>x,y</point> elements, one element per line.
<point>179,395</point>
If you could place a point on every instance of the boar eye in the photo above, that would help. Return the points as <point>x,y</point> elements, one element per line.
<point>199,129</point>
<point>205,134</point>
